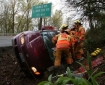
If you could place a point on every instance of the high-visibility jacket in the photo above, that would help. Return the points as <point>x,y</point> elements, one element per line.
<point>63,41</point>
<point>80,33</point>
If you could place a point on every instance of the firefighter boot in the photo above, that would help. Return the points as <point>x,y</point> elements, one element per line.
<point>53,69</point>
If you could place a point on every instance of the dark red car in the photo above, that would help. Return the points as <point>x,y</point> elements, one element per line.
<point>34,50</point>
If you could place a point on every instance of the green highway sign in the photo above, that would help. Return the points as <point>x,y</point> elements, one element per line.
<point>43,10</point>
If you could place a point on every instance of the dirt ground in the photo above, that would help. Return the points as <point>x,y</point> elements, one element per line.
<point>10,73</point>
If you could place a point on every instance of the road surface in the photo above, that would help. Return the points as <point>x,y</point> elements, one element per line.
<point>5,41</point>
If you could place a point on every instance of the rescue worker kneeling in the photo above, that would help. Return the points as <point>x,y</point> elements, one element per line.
<point>62,46</point>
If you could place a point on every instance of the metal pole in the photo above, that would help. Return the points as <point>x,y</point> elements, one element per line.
<point>40,23</point>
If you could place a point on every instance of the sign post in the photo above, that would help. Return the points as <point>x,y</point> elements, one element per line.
<point>43,10</point>
<point>39,11</point>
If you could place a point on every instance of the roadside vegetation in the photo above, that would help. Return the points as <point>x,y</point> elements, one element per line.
<point>15,17</point>
<point>77,80</point>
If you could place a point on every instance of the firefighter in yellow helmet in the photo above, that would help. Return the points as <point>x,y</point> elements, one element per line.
<point>79,35</point>
<point>62,40</point>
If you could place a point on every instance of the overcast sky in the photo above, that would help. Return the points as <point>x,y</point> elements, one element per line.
<point>57,4</point>
<point>60,5</point>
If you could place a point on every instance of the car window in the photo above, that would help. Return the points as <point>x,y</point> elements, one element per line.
<point>47,37</point>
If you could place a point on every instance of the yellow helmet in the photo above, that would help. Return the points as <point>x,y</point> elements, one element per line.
<point>77,22</point>
<point>64,26</point>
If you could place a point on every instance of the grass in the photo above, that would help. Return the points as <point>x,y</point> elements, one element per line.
<point>63,80</point>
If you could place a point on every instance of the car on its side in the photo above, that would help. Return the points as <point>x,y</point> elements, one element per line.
<point>34,50</point>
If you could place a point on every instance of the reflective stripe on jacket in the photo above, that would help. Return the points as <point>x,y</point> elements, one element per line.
<point>63,41</point>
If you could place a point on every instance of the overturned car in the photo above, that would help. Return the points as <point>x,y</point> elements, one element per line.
<point>34,50</point>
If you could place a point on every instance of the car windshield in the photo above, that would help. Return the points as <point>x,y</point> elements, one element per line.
<point>47,37</point>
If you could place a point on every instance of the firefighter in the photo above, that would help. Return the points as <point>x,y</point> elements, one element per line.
<point>78,33</point>
<point>62,41</point>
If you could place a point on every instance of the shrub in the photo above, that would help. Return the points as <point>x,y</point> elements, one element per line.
<point>94,38</point>
<point>63,80</point>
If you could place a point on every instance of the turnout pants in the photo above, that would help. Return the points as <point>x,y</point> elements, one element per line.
<point>58,56</point>
<point>78,50</point>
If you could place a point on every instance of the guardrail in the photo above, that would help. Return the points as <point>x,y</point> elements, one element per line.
<point>8,34</point>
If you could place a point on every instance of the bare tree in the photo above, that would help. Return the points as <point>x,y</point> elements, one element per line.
<point>89,9</point>
<point>26,9</point>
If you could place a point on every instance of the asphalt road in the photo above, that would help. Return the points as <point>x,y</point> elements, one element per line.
<point>5,41</point>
